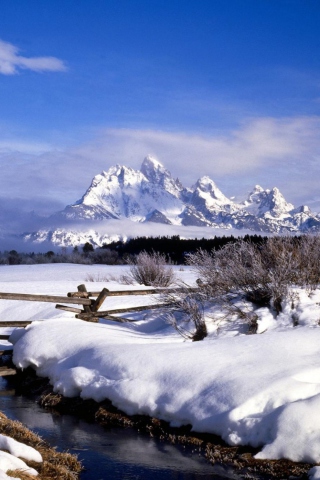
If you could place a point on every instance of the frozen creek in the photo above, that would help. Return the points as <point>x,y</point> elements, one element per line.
<point>115,453</point>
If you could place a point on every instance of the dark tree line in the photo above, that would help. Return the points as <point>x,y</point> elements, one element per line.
<point>175,248</point>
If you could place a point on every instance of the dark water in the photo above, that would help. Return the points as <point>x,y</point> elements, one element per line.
<point>115,453</point>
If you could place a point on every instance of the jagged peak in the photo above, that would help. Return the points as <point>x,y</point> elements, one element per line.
<point>152,194</point>
<point>276,195</point>
<point>151,160</point>
<point>301,209</point>
<point>255,195</point>
<point>257,189</point>
<point>206,185</point>
<point>152,169</point>
<point>117,170</point>
<point>274,202</point>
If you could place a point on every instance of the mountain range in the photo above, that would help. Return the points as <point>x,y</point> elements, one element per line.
<point>152,195</point>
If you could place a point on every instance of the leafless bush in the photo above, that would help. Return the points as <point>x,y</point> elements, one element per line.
<point>186,312</point>
<point>292,261</point>
<point>97,277</point>
<point>151,269</point>
<point>126,279</point>
<point>309,248</point>
<point>234,269</point>
<point>261,274</point>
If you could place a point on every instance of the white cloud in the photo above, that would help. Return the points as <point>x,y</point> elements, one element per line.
<point>26,147</point>
<point>257,144</point>
<point>11,62</point>
<point>272,152</point>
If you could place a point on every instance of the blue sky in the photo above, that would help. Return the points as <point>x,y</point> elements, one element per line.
<point>225,88</point>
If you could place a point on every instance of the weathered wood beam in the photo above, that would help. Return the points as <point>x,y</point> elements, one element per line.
<point>94,319</point>
<point>5,337</point>
<point>69,309</point>
<point>15,323</point>
<point>116,319</point>
<point>103,313</point>
<point>114,293</point>
<point>101,298</point>
<point>119,293</point>
<point>82,289</point>
<point>5,371</point>
<point>7,393</point>
<point>43,298</point>
<point>80,294</point>
<point>132,309</point>
<point>6,352</point>
<point>88,317</point>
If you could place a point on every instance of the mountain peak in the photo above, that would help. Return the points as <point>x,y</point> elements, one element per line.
<point>150,159</point>
<point>152,169</point>
<point>273,203</point>
<point>206,187</point>
<point>151,194</point>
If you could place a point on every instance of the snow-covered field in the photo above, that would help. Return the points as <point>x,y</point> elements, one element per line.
<point>261,390</point>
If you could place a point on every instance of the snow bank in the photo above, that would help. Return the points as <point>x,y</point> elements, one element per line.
<point>10,462</point>
<point>261,390</point>
<point>314,473</point>
<point>19,449</point>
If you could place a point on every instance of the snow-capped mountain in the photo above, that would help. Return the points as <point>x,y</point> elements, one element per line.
<point>152,195</point>
<point>121,192</point>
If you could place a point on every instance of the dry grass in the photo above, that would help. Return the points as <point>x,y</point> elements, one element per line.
<point>55,465</point>
<point>97,277</point>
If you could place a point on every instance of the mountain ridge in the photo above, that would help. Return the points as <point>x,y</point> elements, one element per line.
<point>152,195</point>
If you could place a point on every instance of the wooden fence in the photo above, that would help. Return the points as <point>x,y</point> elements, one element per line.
<point>90,303</point>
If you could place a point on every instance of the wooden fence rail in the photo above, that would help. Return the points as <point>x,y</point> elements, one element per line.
<point>90,311</point>
<point>43,298</point>
<point>90,302</point>
<point>118,293</point>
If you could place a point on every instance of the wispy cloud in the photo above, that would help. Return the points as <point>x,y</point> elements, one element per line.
<point>272,152</point>
<point>256,144</point>
<point>11,62</point>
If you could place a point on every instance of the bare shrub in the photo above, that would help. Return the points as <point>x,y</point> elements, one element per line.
<point>126,279</point>
<point>309,248</point>
<point>97,277</point>
<point>262,274</point>
<point>292,261</point>
<point>234,269</point>
<point>187,312</point>
<point>151,269</point>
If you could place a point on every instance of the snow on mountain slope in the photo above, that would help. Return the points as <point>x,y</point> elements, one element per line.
<point>208,205</point>
<point>266,203</point>
<point>152,195</point>
<point>122,192</point>
<point>64,237</point>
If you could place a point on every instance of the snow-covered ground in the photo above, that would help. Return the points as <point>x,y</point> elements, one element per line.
<point>12,460</point>
<point>261,390</point>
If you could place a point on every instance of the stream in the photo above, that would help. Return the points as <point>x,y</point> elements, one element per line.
<point>109,453</point>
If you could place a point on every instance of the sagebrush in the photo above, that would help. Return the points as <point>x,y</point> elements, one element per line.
<point>151,269</point>
<point>262,274</point>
